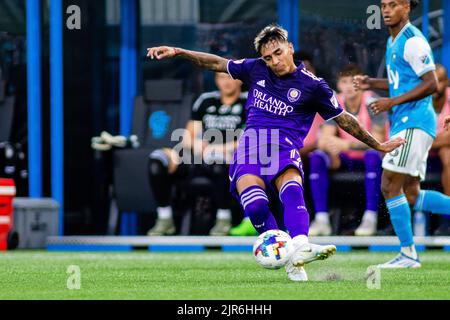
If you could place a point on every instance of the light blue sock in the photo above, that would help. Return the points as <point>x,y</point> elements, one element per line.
<point>401,219</point>
<point>433,201</point>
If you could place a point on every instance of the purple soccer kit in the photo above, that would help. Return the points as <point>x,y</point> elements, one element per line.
<point>280,112</point>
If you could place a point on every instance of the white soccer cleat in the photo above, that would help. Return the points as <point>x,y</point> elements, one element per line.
<point>366,228</point>
<point>320,228</point>
<point>296,274</point>
<point>401,261</point>
<point>307,252</point>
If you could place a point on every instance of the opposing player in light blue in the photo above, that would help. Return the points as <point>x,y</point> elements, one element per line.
<point>411,82</point>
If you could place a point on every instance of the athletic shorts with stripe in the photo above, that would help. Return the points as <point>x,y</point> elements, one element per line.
<point>411,158</point>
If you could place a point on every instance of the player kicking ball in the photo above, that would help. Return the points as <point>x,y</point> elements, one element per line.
<point>411,82</point>
<point>283,101</point>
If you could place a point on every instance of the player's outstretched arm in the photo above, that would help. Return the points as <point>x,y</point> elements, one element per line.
<point>351,125</point>
<point>366,83</point>
<point>203,60</point>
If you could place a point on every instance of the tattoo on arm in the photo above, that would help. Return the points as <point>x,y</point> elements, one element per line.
<point>204,60</point>
<point>351,125</point>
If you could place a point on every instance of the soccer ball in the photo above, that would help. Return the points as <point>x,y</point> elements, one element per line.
<point>273,249</point>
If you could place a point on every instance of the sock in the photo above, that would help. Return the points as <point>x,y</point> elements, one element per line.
<point>296,216</point>
<point>160,180</point>
<point>401,219</point>
<point>223,214</point>
<point>372,161</point>
<point>319,163</point>
<point>164,213</point>
<point>256,206</point>
<point>410,251</point>
<point>432,201</point>
<point>370,215</point>
<point>299,240</point>
<point>222,197</point>
<point>322,217</point>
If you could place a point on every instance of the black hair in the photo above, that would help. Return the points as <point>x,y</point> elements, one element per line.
<point>272,32</point>
<point>414,4</point>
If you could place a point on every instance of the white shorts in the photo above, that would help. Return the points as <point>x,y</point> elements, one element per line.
<point>411,158</point>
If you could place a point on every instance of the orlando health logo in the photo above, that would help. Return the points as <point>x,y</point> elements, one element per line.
<point>273,105</point>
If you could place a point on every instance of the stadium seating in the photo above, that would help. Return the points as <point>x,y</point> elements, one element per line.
<point>163,108</point>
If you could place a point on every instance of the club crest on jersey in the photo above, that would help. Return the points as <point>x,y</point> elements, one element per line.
<point>237,109</point>
<point>425,59</point>
<point>294,95</point>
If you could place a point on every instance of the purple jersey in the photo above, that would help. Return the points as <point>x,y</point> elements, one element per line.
<point>280,112</point>
<point>287,103</point>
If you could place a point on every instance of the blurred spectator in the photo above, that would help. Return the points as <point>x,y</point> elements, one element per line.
<point>340,151</point>
<point>221,111</point>
<point>441,146</point>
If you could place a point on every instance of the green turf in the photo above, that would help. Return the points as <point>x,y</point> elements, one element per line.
<point>213,275</point>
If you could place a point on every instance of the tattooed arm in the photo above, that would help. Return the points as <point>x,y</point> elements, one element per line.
<point>351,125</point>
<point>203,60</point>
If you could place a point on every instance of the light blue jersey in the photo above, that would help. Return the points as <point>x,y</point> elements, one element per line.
<point>408,57</point>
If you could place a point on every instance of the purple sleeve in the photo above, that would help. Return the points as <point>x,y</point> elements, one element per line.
<point>326,103</point>
<point>241,69</point>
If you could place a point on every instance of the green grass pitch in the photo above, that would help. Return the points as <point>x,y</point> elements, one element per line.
<point>213,276</point>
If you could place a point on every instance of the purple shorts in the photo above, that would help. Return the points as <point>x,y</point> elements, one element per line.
<point>265,160</point>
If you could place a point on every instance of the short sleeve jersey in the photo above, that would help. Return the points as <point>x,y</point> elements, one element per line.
<point>408,58</point>
<point>215,115</point>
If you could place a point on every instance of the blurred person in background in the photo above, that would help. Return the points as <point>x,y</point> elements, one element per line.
<point>441,146</point>
<point>222,110</point>
<point>337,150</point>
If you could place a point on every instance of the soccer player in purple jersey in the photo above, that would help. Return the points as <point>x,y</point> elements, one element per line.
<point>283,101</point>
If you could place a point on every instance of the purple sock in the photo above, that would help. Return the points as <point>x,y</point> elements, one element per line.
<point>256,206</point>
<point>372,162</point>
<point>319,163</point>
<point>296,216</point>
